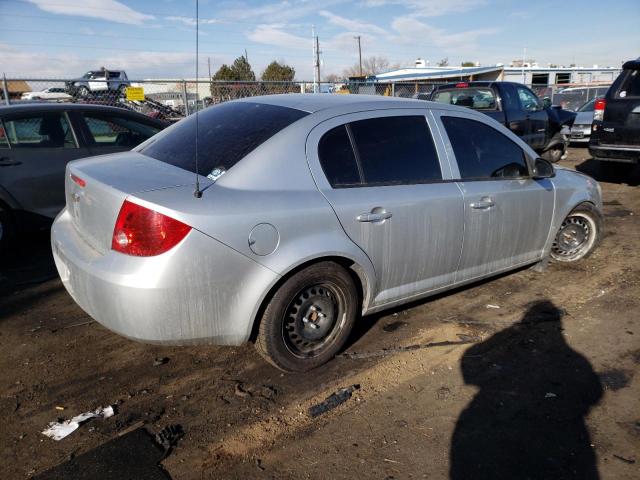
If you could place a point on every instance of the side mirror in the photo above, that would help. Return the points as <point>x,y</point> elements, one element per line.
<point>543,169</point>
<point>546,102</point>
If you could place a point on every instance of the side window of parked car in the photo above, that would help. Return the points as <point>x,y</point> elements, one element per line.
<point>483,152</point>
<point>113,130</point>
<point>47,130</point>
<point>337,158</point>
<point>528,100</point>
<point>396,150</point>
<point>385,151</point>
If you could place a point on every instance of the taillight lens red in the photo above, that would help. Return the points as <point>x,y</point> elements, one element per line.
<point>462,85</point>
<point>143,232</point>
<point>598,109</point>
<point>79,181</point>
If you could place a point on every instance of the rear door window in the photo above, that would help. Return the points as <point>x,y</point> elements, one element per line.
<point>45,130</point>
<point>482,152</point>
<point>338,159</point>
<point>115,130</point>
<point>478,98</point>
<point>227,133</point>
<point>396,150</point>
<point>631,85</point>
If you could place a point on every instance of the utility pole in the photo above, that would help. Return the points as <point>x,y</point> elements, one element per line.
<point>246,55</point>
<point>524,56</point>
<point>316,61</point>
<point>210,81</point>
<point>359,53</point>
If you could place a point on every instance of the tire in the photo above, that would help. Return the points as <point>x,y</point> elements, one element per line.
<point>579,234</point>
<point>7,230</point>
<point>323,295</point>
<point>554,154</point>
<point>83,91</point>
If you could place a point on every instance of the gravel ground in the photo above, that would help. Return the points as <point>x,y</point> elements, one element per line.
<point>545,386</point>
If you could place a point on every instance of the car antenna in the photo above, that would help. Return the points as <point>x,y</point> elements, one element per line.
<point>197,192</point>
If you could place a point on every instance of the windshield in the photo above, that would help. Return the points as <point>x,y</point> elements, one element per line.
<point>478,98</point>
<point>227,133</point>
<point>588,107</point>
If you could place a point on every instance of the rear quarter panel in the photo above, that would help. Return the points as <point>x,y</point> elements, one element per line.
<point>272,185</point>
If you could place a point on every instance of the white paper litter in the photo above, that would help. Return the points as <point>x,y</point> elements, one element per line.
<point>59,430</point>
<point>493,306</point>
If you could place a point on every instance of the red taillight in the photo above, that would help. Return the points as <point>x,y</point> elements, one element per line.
<point>142,232</point>
<point>598,109</point>
<point>462,85</point>
<point>78,180</point>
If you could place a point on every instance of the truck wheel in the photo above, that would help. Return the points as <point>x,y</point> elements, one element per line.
<point>579,234</point>
<point>83,91</point>
<point>309,318</point>
<point>554,154</point>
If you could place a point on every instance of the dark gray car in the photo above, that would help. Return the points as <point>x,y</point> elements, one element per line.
<point>38,140</point>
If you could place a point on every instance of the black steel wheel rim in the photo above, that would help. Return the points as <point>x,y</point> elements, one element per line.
<point>575,233</point>
<point>313,319</point>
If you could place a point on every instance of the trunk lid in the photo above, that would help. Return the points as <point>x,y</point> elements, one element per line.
<point>95,189</point>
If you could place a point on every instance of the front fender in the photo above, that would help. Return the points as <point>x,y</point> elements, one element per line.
<point>572,188</point>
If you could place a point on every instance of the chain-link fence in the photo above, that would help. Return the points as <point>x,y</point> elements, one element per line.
<point>172,99</point>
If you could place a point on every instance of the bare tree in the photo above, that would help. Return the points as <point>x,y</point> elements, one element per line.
<point>444,62</point>
<point>370,66</point>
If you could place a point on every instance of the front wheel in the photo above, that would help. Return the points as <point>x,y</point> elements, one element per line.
<point>579,234</point>
<point>309,318</point>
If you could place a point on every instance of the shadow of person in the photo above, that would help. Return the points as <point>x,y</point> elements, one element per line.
<point>527,420</point>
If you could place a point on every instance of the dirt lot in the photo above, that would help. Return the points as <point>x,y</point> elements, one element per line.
<point>545,386</point>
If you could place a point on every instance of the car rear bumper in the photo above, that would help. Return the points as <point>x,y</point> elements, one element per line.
<point>629,154</point>
<point>201,291</point>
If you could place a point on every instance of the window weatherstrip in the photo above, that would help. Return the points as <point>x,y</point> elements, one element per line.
<point>356,153</point>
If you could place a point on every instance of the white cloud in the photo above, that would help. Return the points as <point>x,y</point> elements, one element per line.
<point>64,65</point>
<point>409,29</point>
<point>275,35</point>
<point>191,22</point>
<point>429,8</point>
<point>281,11</point>
<point>352,25</point>
<point>110,10</point>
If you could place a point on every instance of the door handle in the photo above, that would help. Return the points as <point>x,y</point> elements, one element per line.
<point>5,162</point>
<point>485,203</point>
<point>374,216</point>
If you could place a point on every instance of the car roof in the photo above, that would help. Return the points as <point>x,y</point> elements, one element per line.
<point>313,103</point>
<point>66,106</point>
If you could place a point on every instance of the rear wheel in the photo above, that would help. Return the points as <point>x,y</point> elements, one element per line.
<point>579,234</point>
<point>83,91</point>
<point>309,318</point>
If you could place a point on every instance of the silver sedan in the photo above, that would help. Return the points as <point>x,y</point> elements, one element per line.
<point>310,210</point>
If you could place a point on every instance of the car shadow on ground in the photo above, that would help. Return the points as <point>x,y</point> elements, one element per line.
<point>27,264</point>
<point>528,418</point>
<point>611,172</point>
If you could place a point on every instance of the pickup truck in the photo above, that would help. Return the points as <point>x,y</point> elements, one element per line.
<point>543,127</point>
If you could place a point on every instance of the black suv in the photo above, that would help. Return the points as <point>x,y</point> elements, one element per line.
<point>615,133</point>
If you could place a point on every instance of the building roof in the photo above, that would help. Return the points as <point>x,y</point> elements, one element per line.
<point>434,73</point>
<point>18,86</point>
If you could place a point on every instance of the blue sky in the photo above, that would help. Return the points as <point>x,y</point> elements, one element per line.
<point>64,38</point>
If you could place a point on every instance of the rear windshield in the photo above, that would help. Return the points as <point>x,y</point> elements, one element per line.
<point>227,133</point>
<point>631,85</point>
<point>478,98</point>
